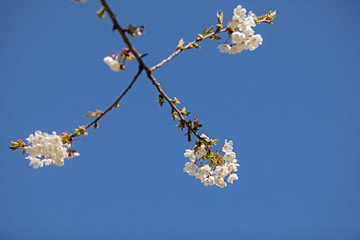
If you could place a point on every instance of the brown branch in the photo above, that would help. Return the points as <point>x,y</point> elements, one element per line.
<point>188,46</point>
<point>114,104</point>
<point>146,68</point>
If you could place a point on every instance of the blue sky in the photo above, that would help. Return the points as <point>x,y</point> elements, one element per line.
<point>291,107</point>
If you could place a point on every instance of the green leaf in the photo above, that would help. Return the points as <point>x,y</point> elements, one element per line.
<point>220,16</point>
<point>176,101</point>
<point>183,111</point>
<point>160,100</point>
<point>196,46</point>
<point>189,138</point>
<point>209,30</point>
<point>181,125</point>
<point>93,114</point>
<point>205,31</point>
<point>16,145</point>
<point>213,141</point>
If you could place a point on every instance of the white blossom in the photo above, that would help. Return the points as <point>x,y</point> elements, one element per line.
<point>108,60</point>
<point>240,12</point>
<point>46,149</point>
<point>237,48</point>
<point>254,42</point>
<point>232,177</point>
<point>47,162</point>
<point>238,37</point>
<point>190,154</point>
<point>247,30</point>
<point>229,156</point>
<point>210,181</point>
<point>204,172</point>
<point>190,168</point>
<point>253,16</point>
<point>115,66</point>
<point>249,21</point>
<point>219,181</point>
<point>201,151</point>
<point>205,137</point>
<point>212,167</point>
<point>221,171</point>
<point>234,24</point>
<point>35,162</point>
<point>242,36</point>
<point>112,63</point>
<point>224,48</point>
<point>232,166</point>
<point>228,146</point>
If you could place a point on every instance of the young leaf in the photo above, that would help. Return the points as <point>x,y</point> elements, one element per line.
<point>160,100</point>
<point>101,12</point>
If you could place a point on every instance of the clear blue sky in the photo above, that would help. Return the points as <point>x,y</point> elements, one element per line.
<point>291,107</point>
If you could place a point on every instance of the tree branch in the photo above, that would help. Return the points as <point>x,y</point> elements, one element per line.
<point>114,104</point>
<point>146,68</point>
<point>188,46</point>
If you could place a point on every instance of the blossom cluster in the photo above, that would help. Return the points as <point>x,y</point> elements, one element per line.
<point>242,34</point>
<point>47,149</point>
<point>217,167</point>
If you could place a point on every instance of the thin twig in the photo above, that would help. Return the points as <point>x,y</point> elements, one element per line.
<point>114,104</point>
<point>188,46</point>
<point>146,68</point>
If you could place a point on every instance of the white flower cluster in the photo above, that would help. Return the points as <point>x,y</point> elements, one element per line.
<point>242,37</point>
<point>212,175</point>
<point>47,149</point>
<point>114,64</point>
